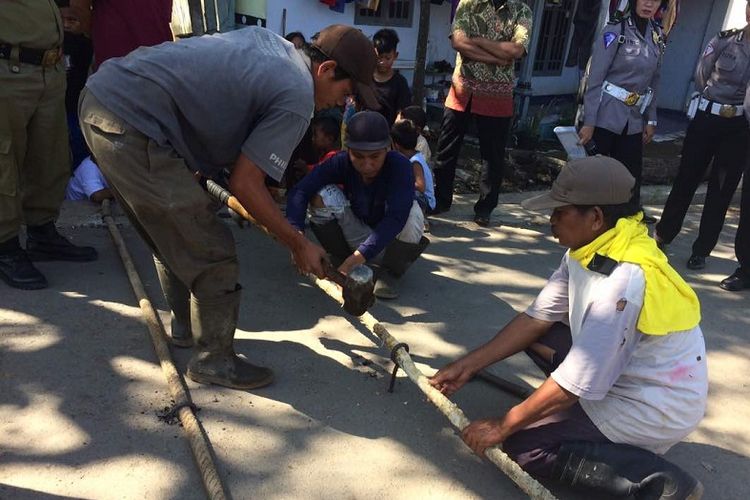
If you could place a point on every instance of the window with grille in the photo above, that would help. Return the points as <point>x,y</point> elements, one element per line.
<point>388,13</point>
<point>553,37</point>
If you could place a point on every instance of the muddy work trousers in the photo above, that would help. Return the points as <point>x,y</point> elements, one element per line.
<point>163,200</point>
<point>34,154</point>
<point>535,447</point>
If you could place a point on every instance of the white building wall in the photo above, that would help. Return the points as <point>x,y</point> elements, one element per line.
<point>566,83</point>
<point>699,21</point>
<point>735,17</point>
<point>310,16</point>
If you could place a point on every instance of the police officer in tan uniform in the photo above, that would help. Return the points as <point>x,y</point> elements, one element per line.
<point>34,155</point>
<point>621,91</point>
<point>718,132</point>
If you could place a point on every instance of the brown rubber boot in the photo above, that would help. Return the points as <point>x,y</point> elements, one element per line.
<point>215,362</point>
<point>177,296</point>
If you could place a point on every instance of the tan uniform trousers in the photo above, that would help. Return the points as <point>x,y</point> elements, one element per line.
<point>34,154</point>
<point>163,200</point>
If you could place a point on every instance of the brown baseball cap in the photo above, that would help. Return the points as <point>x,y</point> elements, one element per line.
<point>594,180</point>
<point>355,54</point>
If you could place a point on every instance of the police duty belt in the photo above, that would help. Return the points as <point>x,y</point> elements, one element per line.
<point>628,98</point>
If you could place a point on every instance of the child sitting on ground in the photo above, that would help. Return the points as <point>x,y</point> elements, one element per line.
<point>404,135</point>
<point>393,89</point>
<point>419,118</point>
<point>88,183</point>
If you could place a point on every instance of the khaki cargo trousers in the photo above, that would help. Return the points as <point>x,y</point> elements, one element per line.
<point>163,200</point>
<point>34,154</point>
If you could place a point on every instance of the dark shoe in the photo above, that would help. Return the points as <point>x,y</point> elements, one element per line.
<point>737,282</point>
<point>696,262</point>
<point>660,243</point>
<point>482,220</point>
<point>177,296</point>
<point>439,210</point>
<point>213,323</point>
<point>45,243</point>
<point>623,470</point>
<point>17,270</point>
<point>649,219</point>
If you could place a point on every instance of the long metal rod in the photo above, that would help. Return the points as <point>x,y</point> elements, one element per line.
<point>199,443</point>
<point>497,456</point>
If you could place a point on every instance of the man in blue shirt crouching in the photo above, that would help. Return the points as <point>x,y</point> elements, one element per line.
<point>362,206</point>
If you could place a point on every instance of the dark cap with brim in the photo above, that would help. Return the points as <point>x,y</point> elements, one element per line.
<point>594,180</point>
<point>355,55</point>
<point>367,131</point>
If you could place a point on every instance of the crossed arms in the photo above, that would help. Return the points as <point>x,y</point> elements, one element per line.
<point>485,50</point>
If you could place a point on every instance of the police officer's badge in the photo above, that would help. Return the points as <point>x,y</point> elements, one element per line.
<point>609,39</point>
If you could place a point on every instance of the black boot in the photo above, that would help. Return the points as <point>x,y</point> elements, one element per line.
<point>623,470</point>
<point>213,322</point>
<point>739,280</point>
<point>332,238</point>
<point>177,296</point>
<point>398,257</point>
<point>16,269</point>
<point>45,243</point>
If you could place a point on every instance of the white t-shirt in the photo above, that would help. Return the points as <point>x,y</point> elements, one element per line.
<point>645,390</point>
<point>87,180</point>
<point>424,147</point>
<point>429,183</point>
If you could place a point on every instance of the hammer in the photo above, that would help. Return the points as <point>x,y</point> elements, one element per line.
<point>357,287</point>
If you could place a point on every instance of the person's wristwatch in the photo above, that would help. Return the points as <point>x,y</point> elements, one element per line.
<point>652,123</point>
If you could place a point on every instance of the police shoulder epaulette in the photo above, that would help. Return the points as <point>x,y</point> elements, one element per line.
<point>728,33</point>
<point>602,264</point>
<point>656,26</point>
<point>618,18</point>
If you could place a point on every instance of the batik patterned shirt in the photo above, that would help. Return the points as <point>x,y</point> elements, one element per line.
<point>489,87</point>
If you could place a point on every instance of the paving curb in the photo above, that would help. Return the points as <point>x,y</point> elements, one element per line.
<point>510,213</point>
<point>75,214</point>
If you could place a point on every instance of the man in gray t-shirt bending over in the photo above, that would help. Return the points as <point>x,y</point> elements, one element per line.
<point>163,116</point>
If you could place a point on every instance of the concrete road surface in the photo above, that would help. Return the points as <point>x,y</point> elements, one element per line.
<point>80,388</point>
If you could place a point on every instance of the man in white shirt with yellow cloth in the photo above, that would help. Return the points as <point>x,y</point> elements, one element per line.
<point>616,330</point>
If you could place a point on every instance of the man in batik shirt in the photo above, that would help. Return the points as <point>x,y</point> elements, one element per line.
<point>489,35</point>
